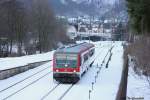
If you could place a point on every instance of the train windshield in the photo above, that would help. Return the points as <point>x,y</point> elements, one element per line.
<point>66,60</point>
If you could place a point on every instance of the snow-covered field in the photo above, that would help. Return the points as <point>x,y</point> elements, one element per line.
<point>41,86</point>
<point>138,86</point>
<point>11,62</point>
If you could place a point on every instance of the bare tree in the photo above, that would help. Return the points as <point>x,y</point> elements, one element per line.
<point>42,22</point>
<point>46,26</point>
<point>13,16</point>
<point>31,27</point>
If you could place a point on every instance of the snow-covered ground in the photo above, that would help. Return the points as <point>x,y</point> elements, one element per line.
<point>105,86</point>
<point>11,62</point>
<point>138,86</point>
<point>109,78</point>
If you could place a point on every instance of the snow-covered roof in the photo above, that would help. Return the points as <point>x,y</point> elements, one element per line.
<point>71,29</point>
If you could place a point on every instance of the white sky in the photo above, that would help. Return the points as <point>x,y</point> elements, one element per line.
<point>107,1</point>
<point>110,1</point>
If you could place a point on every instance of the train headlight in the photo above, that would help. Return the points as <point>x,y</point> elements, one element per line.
<point>74,71</point>
<point>57,70</point>
<point>66,65</point>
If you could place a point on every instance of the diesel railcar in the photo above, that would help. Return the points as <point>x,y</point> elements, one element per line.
<point>70,63</point>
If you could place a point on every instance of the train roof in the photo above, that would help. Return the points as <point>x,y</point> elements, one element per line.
<point>77,48</point>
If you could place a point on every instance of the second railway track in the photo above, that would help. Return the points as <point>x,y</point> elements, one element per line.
<point>24,83</point>
<point>62,89</point>
<point>52,91</point>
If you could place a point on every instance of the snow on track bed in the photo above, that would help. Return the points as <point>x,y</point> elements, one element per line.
<point>19,81</point>
<point>54,90</point>
<point>13,62</point>
<point>35,91</point>
<point>59,92</point>
<point>80,91</point>
<point>50,91</point>
<point>84,85</point>
<point>14,88</point>
<point>107,84</point>
<point>26,86</point>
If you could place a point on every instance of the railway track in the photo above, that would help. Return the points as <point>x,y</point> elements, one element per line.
<point>50,91</point>
<point>26,86</point>
<point>69,87</point>
<point>57,86</point>
<point>44,73</point>
<point>60,98</point>
<point>105,55</point>
<point>23,80</point>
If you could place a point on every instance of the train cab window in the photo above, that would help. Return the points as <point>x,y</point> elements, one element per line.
<point>69,63</point>
<point>66,60</point>
<point>60,63</point>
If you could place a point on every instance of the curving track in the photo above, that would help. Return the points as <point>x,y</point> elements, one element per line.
<point>42,84</point>
<point>57,88</point>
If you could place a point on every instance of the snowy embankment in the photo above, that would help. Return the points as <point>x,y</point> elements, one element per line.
<point>138,87</point>
<point>12,62</point>
<point>105,86</point>
<point>108,80</point>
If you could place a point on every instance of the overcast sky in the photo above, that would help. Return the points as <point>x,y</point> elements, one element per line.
<point>107,1</point>
<point>110,1</point>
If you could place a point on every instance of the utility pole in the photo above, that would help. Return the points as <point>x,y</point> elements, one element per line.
<point>90,29</point>
<point>78,28</point>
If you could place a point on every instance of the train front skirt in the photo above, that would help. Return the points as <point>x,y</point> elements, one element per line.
<point>66,77</point>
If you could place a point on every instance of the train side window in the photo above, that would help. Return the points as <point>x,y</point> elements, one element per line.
<point>81,61</point>
<point>85,57</point>
<point>91,52</point>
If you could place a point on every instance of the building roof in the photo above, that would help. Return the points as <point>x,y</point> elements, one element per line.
<point>77,48</point>
<point>82,29</point>
<point>71,29</point>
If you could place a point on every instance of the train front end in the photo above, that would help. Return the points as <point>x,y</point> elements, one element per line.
<point>66,67</point>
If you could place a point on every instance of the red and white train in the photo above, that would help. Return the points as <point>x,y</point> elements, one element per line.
<point>70,63</point>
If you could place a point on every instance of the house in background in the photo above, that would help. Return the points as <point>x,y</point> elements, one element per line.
<point>71,31</point>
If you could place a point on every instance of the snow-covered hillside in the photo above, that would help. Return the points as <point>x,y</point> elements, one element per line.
<point>79,7</point>
<point>90,1</point>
